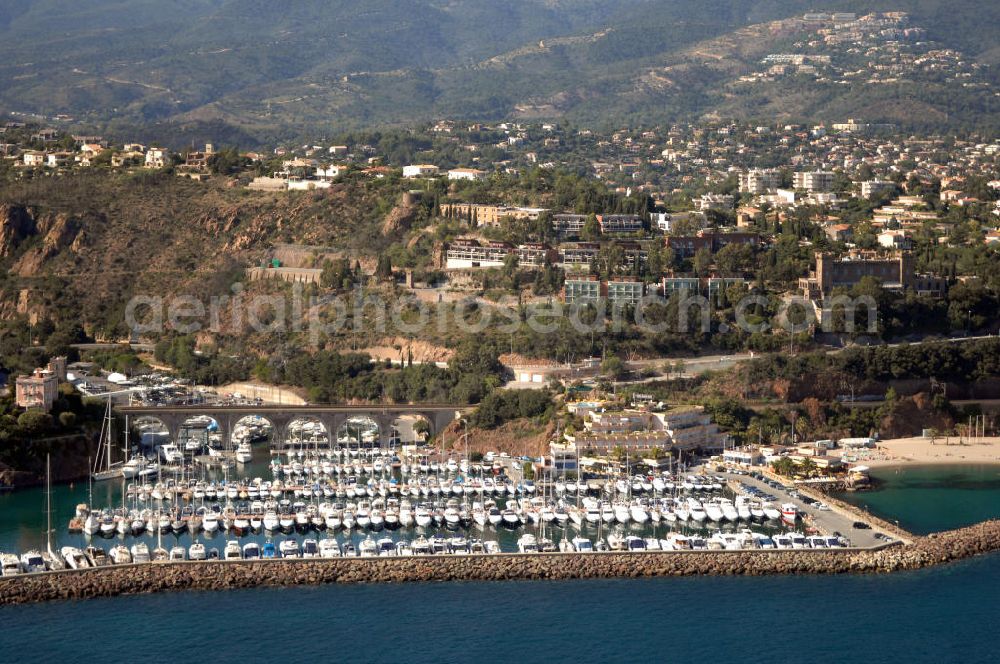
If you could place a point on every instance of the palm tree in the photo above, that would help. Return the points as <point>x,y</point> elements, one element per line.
<point>784,466</point>
<point>808,467</point>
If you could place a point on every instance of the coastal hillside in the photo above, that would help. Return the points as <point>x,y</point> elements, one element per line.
<point>78,249</point>
<point>255,69</point>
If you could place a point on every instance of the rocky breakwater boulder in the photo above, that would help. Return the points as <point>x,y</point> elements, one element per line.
<point>137,579</point>
<point>958,544</point>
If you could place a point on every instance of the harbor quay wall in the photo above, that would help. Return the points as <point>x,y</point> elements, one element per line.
<point>854,512</point>
<point>844,508</point>
<point>112,581</point>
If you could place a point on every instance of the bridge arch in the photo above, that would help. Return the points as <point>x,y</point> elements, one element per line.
<point>412,428</point>
<point>306,431</point>
<point>332,417</point>
<point>148,432</point>
<point>356,432</point>
<point>203,430</point>
<point>253,429</point>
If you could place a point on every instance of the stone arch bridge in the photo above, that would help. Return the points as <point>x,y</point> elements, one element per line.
<point>438,416</point>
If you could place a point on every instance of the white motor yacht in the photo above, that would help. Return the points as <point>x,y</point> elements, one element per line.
<point>120,555</point>
<point>171,454</point>
<point>197,551</point>
<point>140,552</point>
<point>494,515</point>
<point>406,519</point>
<point>676,542</point>
<point>729,512</point>
<point>696,511</point>
<point>32,561</point>
<point>289,548</point>
<point>510,518</point>
<point>244,454</point>
<point>423,517</point>
<point>270,521</point>
<point>329,548</point>
<point>133,467</point>
<point>74,557</point>
<point>232,551</point>
<point>210,522</point>
<point>368,548</point>
<point>9,564</point>
<point>527,543</point>
<point>421,546</point>
<point>638,514</point>
<point>713,510</point>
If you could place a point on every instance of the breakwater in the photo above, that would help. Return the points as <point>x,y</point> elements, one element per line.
<point>923,552</point>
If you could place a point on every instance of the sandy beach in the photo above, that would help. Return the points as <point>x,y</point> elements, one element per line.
<point>944,450</point>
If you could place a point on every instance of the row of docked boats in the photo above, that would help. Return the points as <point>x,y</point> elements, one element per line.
<point>287,516</point>
<point>355,486</point>
<point>71,557</point>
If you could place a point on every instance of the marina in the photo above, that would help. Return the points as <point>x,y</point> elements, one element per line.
<point>376,503</point>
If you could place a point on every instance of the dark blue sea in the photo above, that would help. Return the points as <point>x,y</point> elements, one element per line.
<point>946,614</point>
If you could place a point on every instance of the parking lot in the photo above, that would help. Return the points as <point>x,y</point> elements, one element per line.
<point>826,520</point>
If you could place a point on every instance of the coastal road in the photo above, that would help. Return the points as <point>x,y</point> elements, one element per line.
<point>702,364</point>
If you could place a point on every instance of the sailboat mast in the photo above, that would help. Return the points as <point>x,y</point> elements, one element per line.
<point>48,504</point>
<point>90,489</point>
<point>95,461</point>
<point>107,442</point>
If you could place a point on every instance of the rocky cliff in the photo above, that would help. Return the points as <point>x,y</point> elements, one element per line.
<point>16,225</point>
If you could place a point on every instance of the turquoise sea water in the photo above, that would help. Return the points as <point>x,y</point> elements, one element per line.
<point>945,614</point>
<point>926,499</point>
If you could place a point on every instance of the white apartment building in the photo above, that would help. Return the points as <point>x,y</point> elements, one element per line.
<point>871,188</point>
<point>719,202</point>
<point>760,180</point>
<point>156,158</point>
<point>466,174</point>
<point>814,181</point>
<point>420,171</point>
